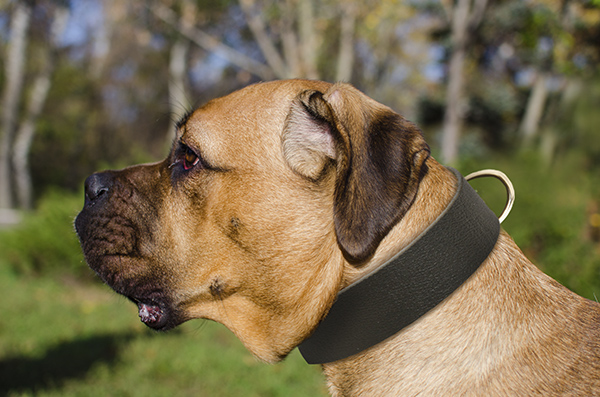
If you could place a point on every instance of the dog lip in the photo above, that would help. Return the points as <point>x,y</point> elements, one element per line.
<point>152,315</point>
<point>155,313</point>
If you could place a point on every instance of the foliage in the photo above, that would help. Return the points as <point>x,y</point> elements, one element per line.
<point>45,242</point>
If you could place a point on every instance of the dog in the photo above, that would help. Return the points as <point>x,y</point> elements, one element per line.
<point>278,198</point>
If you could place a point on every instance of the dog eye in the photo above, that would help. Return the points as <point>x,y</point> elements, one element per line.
<point>190,159</point>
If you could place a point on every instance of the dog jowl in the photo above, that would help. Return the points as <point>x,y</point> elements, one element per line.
<point>119,230</point>
<point>277,197</point>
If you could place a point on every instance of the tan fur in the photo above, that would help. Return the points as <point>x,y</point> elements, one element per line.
<point>257,242</point>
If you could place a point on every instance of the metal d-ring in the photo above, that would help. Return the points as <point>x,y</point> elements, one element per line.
<point>510,190</point>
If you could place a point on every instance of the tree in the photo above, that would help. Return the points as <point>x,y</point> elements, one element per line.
<point>211,43</point>
<point>37,98</point>
<point>465,16</point>
<point>566,27</point>
<point>178,64</point>
<point>13,89</point>
<point>22,103</point>
<point>290,52</point>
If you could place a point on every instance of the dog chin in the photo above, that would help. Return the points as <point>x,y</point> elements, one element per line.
<point>155,307</point>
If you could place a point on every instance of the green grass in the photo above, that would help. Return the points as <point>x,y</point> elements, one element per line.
<point>65,338</point>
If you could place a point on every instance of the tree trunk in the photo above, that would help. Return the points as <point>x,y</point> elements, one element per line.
<point>346,54</point>
<point>308,42</point>
<point>24,138</point>
<point>15,59</point>
<point>37,98</point>
<point>178,94</point>
<point>535,109</point>
<point>455,106</point>
<point>289,38</point>
<point>465,17</point>
<point>259,30</point>
<point>178,98</point>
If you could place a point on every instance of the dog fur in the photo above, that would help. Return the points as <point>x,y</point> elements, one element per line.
<point>279,195</point>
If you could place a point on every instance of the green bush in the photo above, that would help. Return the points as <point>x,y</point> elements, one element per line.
<point>45,242</point>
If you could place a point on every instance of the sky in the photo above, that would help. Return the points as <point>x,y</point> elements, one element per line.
<point>86,18</point>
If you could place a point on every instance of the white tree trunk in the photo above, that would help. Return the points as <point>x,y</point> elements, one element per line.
<point>24,138</point>
<point>465,16</point>
<point>289,39</point>
<point>14,63</point>
<point>178,93</point>
<point>455,106</point>
<point>308,40</point>
<point>346,54</point>
<point>37,99</point>
<point>535,109</point>
<point>178,98</point>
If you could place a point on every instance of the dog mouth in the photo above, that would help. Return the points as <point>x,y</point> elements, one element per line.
<point>151,315</point>
<point>130,277</point>
<point>156,314</point>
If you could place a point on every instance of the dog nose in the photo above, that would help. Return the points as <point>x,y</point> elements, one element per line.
<point>96,185</point>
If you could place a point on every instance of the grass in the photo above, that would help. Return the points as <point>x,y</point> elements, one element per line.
<point>65,338</point>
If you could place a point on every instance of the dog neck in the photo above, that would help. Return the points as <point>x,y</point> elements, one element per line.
<point>411,283</point>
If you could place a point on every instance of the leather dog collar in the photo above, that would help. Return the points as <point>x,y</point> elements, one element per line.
<point>410,284</point>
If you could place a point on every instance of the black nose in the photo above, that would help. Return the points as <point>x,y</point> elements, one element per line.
<point>97,185</point>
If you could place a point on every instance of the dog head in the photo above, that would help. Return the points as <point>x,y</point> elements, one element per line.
<point>268,196</point>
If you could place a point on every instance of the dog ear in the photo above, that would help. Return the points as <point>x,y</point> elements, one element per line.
<point>309,136</point>
<point>379,158</point>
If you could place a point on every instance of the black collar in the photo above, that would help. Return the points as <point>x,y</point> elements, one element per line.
<point>410,284</point>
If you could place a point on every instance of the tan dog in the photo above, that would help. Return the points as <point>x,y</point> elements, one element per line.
<point>276,197</point>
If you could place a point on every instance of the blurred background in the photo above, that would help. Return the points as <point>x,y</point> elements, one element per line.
<point>93,84</point>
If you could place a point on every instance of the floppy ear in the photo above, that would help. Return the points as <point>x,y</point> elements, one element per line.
<point>379,158</point>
